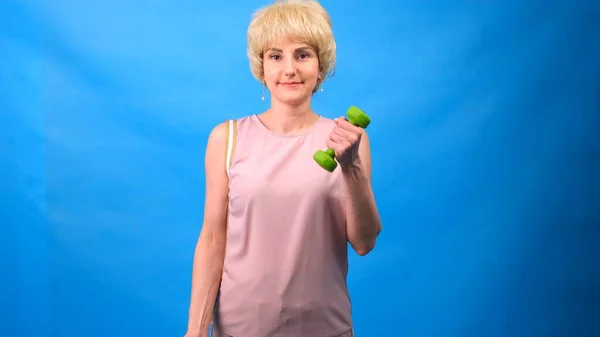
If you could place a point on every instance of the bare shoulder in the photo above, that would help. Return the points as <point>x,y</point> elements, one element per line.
<point>218,135</point>
<point>215,152</point>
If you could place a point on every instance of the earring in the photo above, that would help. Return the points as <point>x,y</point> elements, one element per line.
<point>320,81</point>
<point>263,93</point>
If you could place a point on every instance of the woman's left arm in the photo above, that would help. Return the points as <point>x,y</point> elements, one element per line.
<point>353,153</point>
<point>363,222</point>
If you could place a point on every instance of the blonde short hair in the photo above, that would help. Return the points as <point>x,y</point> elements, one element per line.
<point>305,21</point>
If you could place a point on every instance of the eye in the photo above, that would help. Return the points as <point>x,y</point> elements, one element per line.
<point>274,57</point>
<point>303,55</point>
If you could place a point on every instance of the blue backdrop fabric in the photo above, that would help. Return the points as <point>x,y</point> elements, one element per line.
<point>486,161</point>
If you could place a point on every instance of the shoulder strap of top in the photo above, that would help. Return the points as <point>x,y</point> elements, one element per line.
<point>231,140</point>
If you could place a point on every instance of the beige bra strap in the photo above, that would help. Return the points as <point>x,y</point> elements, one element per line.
<point>231,140</point>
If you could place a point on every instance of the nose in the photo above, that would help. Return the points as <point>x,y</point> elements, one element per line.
<point>290,67</point>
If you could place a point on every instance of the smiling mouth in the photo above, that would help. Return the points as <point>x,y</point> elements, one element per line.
<point>290,84</point>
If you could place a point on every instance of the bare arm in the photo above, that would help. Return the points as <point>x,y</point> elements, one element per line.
<point>363,222</point>
<point>210,248</point>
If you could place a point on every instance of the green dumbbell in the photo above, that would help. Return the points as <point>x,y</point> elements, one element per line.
<point>326,159</point>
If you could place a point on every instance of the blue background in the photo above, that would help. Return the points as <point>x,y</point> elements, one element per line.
<point>485,151</point>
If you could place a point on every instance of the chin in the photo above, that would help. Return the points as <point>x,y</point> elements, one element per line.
<point>293,98</point>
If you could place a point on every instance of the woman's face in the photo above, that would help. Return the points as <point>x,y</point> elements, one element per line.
<point>291,71</point>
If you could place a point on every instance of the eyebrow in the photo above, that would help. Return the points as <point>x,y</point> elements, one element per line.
<point>297,49</point>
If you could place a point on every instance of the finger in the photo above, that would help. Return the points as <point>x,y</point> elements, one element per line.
<point>349,136</point>
<point>338,143</point>
<point>344,124</point>
<point>353,134</point>
<point>336,139</point>
<point>336,147</point>
<point>338,131</point>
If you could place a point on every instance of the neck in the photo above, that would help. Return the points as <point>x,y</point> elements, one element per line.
<point>288,119</point>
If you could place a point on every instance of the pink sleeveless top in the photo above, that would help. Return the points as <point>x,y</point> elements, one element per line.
<point>286,257</point>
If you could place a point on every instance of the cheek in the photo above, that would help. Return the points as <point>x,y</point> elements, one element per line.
<point>312,70</point>
<point>271,68</point>
<point>269,73</point>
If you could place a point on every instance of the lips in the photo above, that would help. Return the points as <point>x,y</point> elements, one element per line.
<point>290,84</point>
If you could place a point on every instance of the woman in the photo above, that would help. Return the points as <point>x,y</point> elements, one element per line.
<point>273,245</point>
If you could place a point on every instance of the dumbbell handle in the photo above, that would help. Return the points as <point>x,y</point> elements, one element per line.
<point>326,159</point>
